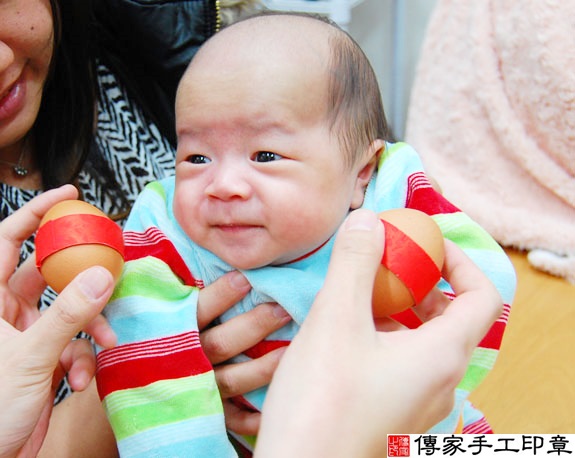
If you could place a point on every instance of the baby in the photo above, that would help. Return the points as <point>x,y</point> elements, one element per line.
<point>281,132</point>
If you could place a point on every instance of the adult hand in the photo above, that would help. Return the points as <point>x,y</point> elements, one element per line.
<point>35,351</point>
<point>342,385</point>
<point>222,342</point>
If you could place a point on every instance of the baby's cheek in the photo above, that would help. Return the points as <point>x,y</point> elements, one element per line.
<point>307,231</point>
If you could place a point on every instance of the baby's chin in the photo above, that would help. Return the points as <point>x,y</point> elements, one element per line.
<point>251,263</point>
<point>247,262</point>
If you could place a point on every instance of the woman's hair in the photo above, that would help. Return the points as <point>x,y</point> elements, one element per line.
<point>64,129</point>
<point>63,134</point>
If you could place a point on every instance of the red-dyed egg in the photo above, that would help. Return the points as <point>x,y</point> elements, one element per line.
<point>412,261</point>
<point>73,236</point>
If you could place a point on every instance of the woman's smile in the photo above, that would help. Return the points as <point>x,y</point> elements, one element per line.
<point>12,100</point>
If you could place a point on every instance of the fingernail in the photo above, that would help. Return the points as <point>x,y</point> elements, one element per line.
<point>94,282</point>
<point>279,311</point>
<point>361,220</point>
<point>238,281</point>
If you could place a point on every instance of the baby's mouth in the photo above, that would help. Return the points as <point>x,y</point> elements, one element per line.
<point>235,226</point>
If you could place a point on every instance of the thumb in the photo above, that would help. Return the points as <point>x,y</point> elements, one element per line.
<point>78,304</point>
<point>354,261</point>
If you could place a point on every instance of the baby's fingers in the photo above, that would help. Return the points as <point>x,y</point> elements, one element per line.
<point>219,296</point>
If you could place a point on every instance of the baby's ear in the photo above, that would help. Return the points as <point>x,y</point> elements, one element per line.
<point>368,167</point>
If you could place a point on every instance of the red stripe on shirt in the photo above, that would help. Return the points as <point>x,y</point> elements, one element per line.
<point>154,243</point>
<point>118,369</point>
<point>422,196</point>
<point>265,347</point>
<point>494,336</point>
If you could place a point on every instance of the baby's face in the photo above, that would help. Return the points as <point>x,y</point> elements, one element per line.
<point>260,178</point>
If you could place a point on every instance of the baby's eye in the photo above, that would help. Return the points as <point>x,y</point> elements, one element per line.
<point>266,156</point>
<point>198,159</point>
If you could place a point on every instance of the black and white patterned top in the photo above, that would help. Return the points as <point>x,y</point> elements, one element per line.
<point>134,149</point>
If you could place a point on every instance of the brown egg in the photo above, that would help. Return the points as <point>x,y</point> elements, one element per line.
<point>412,261</point>
<point>73,236</point>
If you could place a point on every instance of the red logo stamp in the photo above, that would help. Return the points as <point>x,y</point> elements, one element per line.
<point>397,445</point>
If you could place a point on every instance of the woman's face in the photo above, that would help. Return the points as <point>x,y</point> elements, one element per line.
<point>26,49</point>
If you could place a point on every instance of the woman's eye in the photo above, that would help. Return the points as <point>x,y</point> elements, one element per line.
<point>266,156</point>
<point>198,159</point>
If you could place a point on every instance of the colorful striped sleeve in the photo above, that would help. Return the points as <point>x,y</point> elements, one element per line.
<point>415,190</point>
<point>157,386</point>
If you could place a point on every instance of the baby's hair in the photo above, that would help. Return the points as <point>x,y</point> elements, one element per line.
<point>355,107</point>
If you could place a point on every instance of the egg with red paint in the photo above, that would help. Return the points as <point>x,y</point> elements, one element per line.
<point>74,236</point>
<point>412,260</point>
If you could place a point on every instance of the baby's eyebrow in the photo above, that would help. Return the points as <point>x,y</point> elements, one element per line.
<point>264,124</point>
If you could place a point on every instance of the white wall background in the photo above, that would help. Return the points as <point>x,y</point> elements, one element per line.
<point>390,32</point>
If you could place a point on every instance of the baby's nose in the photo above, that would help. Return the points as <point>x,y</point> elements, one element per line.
<point>229,183</point>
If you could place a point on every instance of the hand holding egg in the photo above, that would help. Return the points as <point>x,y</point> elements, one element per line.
<point>412,261</point>
<point>73,236</point>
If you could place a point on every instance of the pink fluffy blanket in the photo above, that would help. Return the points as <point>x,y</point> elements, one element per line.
<point>492,113</point>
